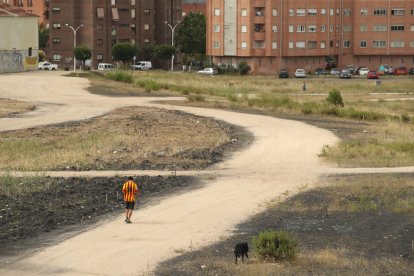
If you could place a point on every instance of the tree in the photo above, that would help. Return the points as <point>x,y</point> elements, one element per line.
<point>164,52</point>
<point>82,53</point>
<point>43,36</point>
<point>41,55</point>
<point>147,52</point>
<point>123,52</point>
<point>191,35</point>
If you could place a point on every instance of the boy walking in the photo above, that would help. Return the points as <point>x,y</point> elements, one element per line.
<point>130,190</point>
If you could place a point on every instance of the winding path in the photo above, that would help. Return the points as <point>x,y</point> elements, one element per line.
<point>282,157</point>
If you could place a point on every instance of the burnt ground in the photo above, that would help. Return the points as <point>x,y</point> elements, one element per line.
<point>368,242</point>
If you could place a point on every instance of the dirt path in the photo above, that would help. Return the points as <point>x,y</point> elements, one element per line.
<point>283,157</point>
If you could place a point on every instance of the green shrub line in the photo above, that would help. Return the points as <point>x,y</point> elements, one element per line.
<point>121,76</point>
<point>271,245</point>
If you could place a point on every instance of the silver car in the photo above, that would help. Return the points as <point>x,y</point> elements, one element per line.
<point>300,73</point>
<point>208,71</point>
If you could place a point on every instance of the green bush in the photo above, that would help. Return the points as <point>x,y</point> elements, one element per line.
<point>275,245</point>
<point>335,98</point>
<point>244,68</point>
<point>120,76</point>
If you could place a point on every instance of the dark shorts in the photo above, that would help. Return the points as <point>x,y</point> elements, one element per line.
<point>129,205</point>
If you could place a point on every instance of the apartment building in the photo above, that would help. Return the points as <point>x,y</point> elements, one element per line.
<point>282,34</point>
<point>101,24</point>
<point>194,6</point>
<point>36,7</point>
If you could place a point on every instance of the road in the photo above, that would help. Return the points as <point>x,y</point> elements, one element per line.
<point>283,157</point>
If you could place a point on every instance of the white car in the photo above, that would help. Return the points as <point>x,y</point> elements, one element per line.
<point>47,66</point>
<point>207,71</point>
<point>300,73</point>
<point>363,71</point>
<point>142,65</point>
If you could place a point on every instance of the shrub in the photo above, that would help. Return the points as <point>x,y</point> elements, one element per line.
<point>196,98</point>
<point>120,76</point>
<point>335,98</point>
<point>244,68</point>
<point>275,245</point>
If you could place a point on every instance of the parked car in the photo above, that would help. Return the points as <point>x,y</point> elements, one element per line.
<point>363,71</point>
<point>335,72</point>
<point>345,74</point>
<point>105,66</point>
<point>400,71</point>
<point>373,75</point>
<point>300,73</point>
<point>411,71</point>
<point>351,69</point>
<point>320,71</point>
<point>283,74</point>
<point>47,66</point>
<point>142,65</point>
<point>208,71</point>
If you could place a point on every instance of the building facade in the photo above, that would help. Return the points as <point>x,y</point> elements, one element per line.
<point>105,23</point>
<point>194,6</point>
<point>281,34</point>
<point>19,39</point>
<point>37,7</point>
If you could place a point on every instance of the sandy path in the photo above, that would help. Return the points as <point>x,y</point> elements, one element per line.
<point>283,157</point>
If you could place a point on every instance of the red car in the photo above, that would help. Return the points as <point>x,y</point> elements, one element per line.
<point>400,71</point>
<point>373,75</point>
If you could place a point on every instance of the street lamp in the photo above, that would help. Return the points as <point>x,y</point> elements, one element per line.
<point>74,43</point>
<point>172,40</point>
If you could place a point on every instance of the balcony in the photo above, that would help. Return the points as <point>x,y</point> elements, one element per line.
<point>260,3</point>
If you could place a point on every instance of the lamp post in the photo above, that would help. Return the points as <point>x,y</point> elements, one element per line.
<point>172,40</point>
<point>74,43</point>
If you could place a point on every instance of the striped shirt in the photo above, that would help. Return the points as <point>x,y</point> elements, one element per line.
<point>129,189</point>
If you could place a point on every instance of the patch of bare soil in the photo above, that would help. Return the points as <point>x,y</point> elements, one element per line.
<point>360,242</point>
<point>9,108</point>
<point>53,205</point>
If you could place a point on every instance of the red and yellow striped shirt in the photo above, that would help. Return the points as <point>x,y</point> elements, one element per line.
<point>129,189</point>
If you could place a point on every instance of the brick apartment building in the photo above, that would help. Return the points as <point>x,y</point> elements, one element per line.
<point>37,7</point>
<point>284,34</point>
<point>194,6</point>
<point>107,22</point>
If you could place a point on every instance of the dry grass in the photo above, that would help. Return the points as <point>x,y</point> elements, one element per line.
<point>12,107</point>
<point>122,138</point>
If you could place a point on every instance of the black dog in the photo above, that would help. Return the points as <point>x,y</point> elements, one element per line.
<point>241,250</point>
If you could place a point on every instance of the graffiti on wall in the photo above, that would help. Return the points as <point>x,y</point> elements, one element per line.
<point>17,61</point>
<point>30,63</point>
<point>17,57</point>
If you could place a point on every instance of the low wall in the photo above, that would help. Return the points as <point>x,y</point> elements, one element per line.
<point>18,61</point>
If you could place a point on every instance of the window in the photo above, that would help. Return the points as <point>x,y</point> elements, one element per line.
<point>347,28</point>
<point>133,13</point>
<point>397,44</point>
<point>291,12</point>
<point>364,12</point>
<point>363,44</point>
<point>146,27</point>
<point>331,43</point>
<point>216,28</point>
<point>100,13</point>
<point>132,2</point>
<point>147,11</point>
<point>412,43</point>
<point>99,26</point>
<point>113,2</point>
<point>274,12</point>
<point>412,28</point>
<point>56,57</point>
<point>331,12</point>
<point>56,40</point>
<point>323,11</point>
<point>331,28</point>
<point>399,12</point>
<point>217,12</point>
<point>291,28</point>
<point>216,44</point>
<point>347,43</point>
<point>259,44</point>
<point>300,44</point>
<point>244,29</point>
<point>312,12</point>
<point>274,45</point>
<point>56,26</point>
<point>323,46</point>
<point>113,32</point>
<point>397,28</point>
<point>323,28</point>
<point>115,15</point>
<point>274,29</point>
<point>379,44</point>
<point>347,12</point>
<point>99,57</point>
<point>290,45</point>
<point>312,28</point>
<point>312,44</point>
<point>300,28</point>
<point>379,28</point>
<point>363,28</point>
<point>99,41</point>
<point>300,12</point>
<point>380,12</point>
<point>244,45</point>
<point>55,10</point>
<point>243,12</point>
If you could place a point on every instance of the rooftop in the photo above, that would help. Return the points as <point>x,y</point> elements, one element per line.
<point>7,10</point>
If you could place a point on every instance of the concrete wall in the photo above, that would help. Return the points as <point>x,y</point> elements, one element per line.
<point>18,34</point>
